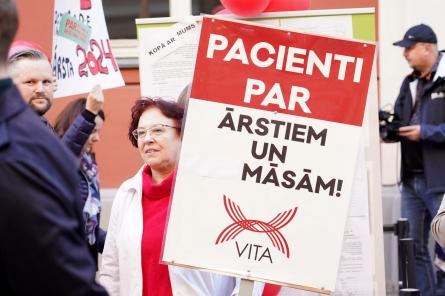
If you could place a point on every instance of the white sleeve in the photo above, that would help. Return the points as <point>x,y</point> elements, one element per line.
<point>109,268</point>
<point>190,282</point>
<point>438,225</point>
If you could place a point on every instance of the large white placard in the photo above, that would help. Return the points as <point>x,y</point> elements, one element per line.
<point>267,163</point>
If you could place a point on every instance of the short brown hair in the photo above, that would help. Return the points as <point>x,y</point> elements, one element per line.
<point>24,54</point>
<point>169,109</point>
<point>9,23</point>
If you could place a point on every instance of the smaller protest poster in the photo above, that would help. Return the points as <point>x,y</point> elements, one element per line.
<point>167,58</point>
<point>81,53</point>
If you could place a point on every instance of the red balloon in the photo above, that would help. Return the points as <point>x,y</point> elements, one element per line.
<point>288,5</point>
<point>246,7</point>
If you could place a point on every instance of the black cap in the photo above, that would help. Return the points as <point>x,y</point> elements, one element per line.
<point>419,33</point>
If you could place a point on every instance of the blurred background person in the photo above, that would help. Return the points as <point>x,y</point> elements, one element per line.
<point>420,108</point>
<point>67,126</point>
<point>184,96</point>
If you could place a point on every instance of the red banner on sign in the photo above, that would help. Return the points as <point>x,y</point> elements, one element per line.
<point>277,70</point>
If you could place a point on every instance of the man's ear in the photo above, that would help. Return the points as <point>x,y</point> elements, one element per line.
<point>430,47</point>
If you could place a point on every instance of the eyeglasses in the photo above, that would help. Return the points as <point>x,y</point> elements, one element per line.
<point>154,131</point>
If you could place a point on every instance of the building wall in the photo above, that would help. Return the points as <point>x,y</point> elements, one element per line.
<point>118,160</point>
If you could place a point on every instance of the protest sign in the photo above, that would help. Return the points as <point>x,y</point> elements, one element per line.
<point>268,156</point>
<point>167,58</point>
<point>81,52</point>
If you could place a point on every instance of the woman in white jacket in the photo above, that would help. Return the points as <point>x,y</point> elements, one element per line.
<point>130,262</point>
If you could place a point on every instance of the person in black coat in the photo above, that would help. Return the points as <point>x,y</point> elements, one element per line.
<point>42,249</point>
<point>420,109</point>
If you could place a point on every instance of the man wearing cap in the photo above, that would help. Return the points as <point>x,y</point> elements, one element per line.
<point>420,107</point>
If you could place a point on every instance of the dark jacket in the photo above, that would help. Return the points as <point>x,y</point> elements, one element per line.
<point>75,138</point>
<point>432,126</point>
<point>42,249</point>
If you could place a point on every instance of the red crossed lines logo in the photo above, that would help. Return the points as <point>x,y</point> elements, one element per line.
<point>271,228</point>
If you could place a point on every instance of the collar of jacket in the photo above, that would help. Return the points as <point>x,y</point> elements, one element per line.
<point>11,103</point>
<point>134,184</point>
<point>440,72</point>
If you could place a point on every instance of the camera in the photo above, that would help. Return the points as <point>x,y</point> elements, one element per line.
<point>389,126</point>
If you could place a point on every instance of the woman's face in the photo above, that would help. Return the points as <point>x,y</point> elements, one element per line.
<point>159,148</point>
<point>94,136</point>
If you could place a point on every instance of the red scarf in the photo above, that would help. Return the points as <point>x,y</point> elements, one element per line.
<point>155,201</point>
